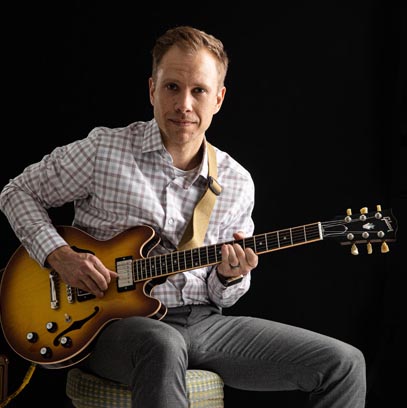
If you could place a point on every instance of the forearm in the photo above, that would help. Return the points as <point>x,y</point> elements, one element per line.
<point>29,221</point>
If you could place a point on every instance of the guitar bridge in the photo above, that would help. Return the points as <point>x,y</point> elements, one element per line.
<point>53,288</point>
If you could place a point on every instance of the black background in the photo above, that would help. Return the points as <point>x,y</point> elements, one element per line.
<point>315,108</point>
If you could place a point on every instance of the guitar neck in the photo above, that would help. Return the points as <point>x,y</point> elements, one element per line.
<point>184,260</point>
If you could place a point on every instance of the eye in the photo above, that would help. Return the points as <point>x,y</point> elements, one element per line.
<point>199,90</point>
<point>172,86</point>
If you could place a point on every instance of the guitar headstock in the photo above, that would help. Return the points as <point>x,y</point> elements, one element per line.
<point>363,228</point>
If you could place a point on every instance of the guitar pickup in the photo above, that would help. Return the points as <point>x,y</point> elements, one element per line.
<point>124,269</point>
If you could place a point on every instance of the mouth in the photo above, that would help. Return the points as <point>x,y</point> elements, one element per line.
<point>182,122</point>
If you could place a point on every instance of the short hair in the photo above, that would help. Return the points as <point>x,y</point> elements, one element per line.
<point>190,39</point>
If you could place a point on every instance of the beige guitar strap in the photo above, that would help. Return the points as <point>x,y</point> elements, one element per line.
<point>196,229</point>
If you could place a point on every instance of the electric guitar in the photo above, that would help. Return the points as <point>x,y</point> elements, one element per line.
<point>54,325</point>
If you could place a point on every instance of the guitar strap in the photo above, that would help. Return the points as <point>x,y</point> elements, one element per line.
<point>196,229</point>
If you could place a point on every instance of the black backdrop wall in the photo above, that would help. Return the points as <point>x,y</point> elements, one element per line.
<point>315,109</point>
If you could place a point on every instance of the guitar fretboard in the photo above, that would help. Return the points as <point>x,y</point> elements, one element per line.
<point>179,261</point>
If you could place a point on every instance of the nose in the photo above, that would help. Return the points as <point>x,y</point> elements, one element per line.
<point>183,102</point>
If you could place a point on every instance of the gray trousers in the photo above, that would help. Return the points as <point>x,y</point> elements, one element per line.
<point>249,353</point>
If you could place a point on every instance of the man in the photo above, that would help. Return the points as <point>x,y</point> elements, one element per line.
<point>154,173</point>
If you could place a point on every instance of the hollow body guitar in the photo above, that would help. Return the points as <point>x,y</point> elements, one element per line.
<point>54,325</point>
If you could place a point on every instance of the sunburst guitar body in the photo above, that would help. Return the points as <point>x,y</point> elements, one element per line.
<point>54,325</point>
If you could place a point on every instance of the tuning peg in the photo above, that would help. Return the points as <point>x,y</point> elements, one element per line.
<point>354,250</point>
<point>369,248</point>
<point>384,248</point>
<point>363,212</point>
<point>378,214</point>
<point>349,211</point>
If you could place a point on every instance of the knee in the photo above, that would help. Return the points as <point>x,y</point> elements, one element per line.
<point>168,343</point>
<point>164,344</point>
<point>349,361</point>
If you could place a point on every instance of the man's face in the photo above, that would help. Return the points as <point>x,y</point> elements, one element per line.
<point>186,94</point>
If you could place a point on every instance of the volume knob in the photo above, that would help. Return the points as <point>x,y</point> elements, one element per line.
<point>51,327</point>
<point>66,341</point>
<point>46,352</point>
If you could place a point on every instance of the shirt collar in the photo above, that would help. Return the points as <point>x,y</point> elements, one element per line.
<point>152,142</point>
<point>152,137</point>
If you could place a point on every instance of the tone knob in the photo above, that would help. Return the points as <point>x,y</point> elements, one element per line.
<point>46,352</point>
<point>32,337</point>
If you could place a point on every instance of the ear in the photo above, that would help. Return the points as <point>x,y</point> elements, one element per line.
<point>151,88</point>
<point>219,99</point>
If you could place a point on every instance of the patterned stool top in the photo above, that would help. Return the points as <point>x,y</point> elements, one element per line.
<point>204,388</point>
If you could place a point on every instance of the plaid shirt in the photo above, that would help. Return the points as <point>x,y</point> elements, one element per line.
<point>123,177</point>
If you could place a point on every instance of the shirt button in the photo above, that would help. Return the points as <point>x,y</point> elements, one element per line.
<point>171,221</point>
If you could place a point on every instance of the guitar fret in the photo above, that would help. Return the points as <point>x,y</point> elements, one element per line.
<point>159,266</point>
<point>168,263</point>
<point>142,261</point>
<point>250,243</point>
<point>218,253</point>
<point>135,265</point>
<point>176,261</point>
<point>195,257</point>
<point>203,259</point>
<point>297,235</point>
<point>140,269</point>
<point>214,254</point>
<point>182,261</point>
<point>145,270</point>
<point>162,265</point>
<point>313,231</point>
<point>190,259</point>
<point>152,267</point>
<point>260,243</point>
<point>284,237</point>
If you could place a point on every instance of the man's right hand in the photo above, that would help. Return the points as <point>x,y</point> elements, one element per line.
<point>81,270</point>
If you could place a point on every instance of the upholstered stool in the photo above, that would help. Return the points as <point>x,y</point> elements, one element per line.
<point>205,390</point>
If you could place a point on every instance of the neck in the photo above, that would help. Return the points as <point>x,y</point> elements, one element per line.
<point>185,157</point>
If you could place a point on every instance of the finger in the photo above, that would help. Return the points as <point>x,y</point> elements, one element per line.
<point>238,235</point>
<point>233,257</point>
<point>248,260</point>
<point>229,259</point>
<point>240,253</point>
<point>101,275</point>
<point>228,256</point>
<point>89,285</point>
<point>251,258</point>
